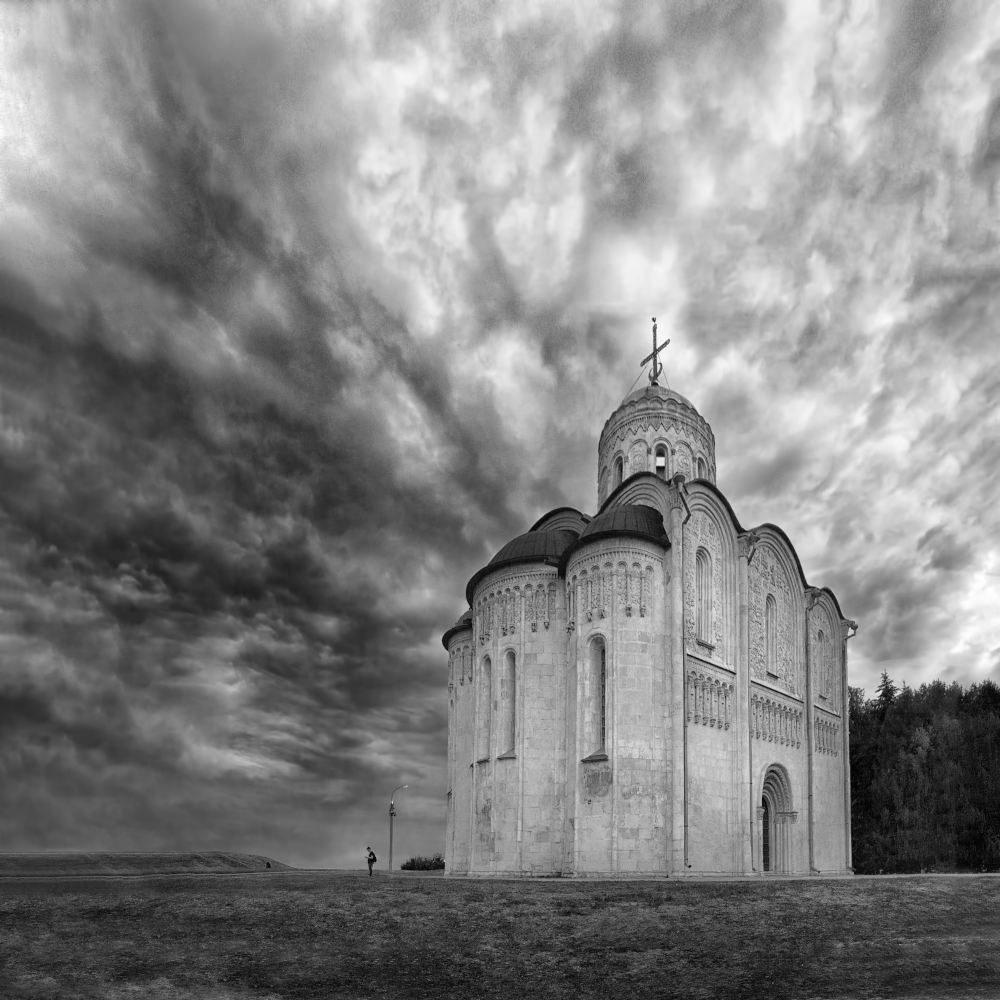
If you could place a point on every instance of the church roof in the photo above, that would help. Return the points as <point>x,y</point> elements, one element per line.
<point>635,520</point>
<point>655,392</point>
<point>463,623</point>
<point>532,546</point>
<point>568,518</point>
<point>653,401</point>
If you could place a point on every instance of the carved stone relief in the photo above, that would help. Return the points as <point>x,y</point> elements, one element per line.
<point>637,458</point>
<point>709,698</point>
<point>615,585</point>
<point>702,532</point>
<point>826,737</point>
<point>825,652</point>
<point>767,576</point>
<point>774,721</point>
<point>499,608</point>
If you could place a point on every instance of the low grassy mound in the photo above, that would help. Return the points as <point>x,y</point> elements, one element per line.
<point>112,863</point>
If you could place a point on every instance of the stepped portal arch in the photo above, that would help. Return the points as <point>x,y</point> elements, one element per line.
<point>776,818</point>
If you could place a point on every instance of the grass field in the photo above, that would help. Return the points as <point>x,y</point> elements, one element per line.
<point>325,935</point>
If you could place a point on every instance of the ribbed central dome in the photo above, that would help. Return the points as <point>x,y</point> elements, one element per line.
<point>656,392</point>
<point>654,430</point>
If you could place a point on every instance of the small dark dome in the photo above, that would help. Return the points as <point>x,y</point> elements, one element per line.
<point>463,623</point>
<point>532,546</point>
<point>636,520</point>
<point>628,519</point>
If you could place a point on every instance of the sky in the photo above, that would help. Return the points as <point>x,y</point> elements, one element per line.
<point>306,308</point>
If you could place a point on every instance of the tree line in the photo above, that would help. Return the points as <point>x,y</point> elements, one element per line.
<point>925,778</point>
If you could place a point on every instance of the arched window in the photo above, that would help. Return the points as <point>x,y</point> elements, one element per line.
<point>508,704</point>
<point>483,700</point>
<point>703,588</point>
<point>771,634</point>
<point>619,472</point>
<point>661,462</point>
<point>821,667</point>
<point>599,673</point>
<point>702,468</point>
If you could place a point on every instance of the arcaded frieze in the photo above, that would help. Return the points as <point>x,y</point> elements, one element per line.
<point>709,696</point>
<point>505,600</point>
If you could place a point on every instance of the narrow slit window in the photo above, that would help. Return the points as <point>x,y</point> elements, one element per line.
<point>485,697</point>
<point>703,588</point>
<point>821,667</point>
<point>619,471</point>
<point>508,704</point>
<point>771,634</point>
<point>604,695</point>
<point>661,462</point>
<point>597,729</point>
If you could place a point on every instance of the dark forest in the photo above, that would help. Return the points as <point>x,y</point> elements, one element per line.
<point>925,778</point>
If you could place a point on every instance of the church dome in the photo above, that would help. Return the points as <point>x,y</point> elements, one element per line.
<point>627,519</point>
<point>654,429</point>
<point>632,520</point>
<point>463,623</point>
<point>533,546</point>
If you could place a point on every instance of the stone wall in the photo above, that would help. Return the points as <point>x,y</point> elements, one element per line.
<point>461,707</point>
<point>615,595</point>
<point>713,820</point>
<point>828,804</point>
<point>517,823</point>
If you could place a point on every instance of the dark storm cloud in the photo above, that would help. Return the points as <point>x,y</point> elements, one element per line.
<point>945,550</point>
<point>204,511</point>
<point>918,32</point>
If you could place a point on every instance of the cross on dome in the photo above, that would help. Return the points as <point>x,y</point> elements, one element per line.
<point>657,370</point>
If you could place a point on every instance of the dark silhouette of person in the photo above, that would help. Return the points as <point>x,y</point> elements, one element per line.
<point>371,860</point>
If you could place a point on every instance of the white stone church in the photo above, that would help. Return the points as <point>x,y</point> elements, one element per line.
<point>651,690</point>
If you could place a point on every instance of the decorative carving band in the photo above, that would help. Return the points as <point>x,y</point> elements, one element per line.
<point>710,699</point>
<point>826,737</point>
<point>775,722</point>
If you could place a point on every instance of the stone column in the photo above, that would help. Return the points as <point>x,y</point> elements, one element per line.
<point>678,713</point>
<point>848,630</point>
<point>449,837</point>
<point>811,599</point>
<point>759,841</point>
<point>474,779</point>
<point>743,737</point>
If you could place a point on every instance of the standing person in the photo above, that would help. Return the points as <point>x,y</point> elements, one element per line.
<point>371,860</point>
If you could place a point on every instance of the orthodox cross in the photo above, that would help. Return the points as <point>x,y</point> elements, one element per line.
<point>657,370</point>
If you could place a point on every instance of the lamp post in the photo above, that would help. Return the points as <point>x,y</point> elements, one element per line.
<point>392,812</point>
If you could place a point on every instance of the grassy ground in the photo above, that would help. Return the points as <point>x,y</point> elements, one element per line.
<point>306,934</point>
<point>107,863</point>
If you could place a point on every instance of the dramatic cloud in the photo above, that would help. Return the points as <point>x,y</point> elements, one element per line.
<point>306,308</point>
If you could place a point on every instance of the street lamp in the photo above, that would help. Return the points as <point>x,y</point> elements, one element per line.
<point>392,812</point>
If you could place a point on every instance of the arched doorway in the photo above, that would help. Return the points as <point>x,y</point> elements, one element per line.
<point>775,820</point>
